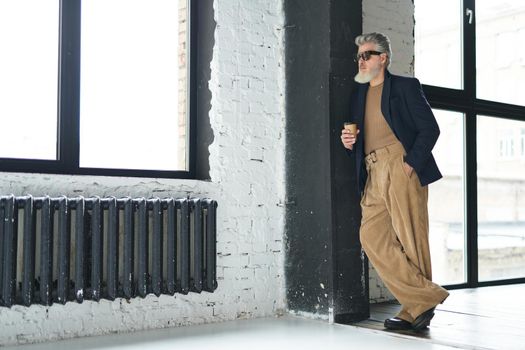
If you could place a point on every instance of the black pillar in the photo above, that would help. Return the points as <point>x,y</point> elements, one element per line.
<point>325,268</point>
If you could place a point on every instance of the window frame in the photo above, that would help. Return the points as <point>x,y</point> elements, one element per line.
<point>68,112</point>
<point>465,101</point>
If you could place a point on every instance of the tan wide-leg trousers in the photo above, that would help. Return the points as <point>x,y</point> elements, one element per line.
<point>394,232</point>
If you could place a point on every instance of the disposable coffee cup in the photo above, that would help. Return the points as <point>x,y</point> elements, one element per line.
<point>352,127</point>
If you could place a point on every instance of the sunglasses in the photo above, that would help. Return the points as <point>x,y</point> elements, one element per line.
<point>366,55</point>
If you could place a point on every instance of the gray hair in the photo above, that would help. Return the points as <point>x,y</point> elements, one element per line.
<point>381,41</point>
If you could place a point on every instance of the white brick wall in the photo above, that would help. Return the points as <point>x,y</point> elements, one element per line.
<point>247,180</point>
<point>394,18</point>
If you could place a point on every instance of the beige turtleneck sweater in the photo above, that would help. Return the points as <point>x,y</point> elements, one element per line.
<point>377,131</point>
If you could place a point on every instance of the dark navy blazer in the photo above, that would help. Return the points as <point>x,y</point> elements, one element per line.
<point>410,117</point>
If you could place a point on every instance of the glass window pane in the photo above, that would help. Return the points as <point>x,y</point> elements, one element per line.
<point>29,75</point>
<point>500,65</point>
<point>446,204</point>
<point>501,198</point>
<point>438,43</point>
<point>133,84</point>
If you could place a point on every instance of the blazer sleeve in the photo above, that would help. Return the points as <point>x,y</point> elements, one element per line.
<point>354,101</point>
<point>427,129</point>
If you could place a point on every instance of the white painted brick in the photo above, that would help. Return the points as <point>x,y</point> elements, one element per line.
<point>275,246</point>
<point>227,248</point>
<point>244,248</point>
<point>260,260</point>
<point>394,18</point>
<point>260,246</point>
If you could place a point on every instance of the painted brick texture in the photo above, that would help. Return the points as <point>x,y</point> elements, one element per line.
<point>394,18</point>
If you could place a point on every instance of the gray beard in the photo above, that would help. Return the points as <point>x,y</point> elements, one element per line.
<point>364,78</point>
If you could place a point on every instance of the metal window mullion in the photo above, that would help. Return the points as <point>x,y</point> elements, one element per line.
<point>469,50</point>
<point>69,87</point>
<point>471,199</point>
<point>469,78</point>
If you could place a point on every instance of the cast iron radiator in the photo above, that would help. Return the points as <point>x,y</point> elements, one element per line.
<point>66,249</point>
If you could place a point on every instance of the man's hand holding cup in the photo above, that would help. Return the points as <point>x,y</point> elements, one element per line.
<point>349,135</point>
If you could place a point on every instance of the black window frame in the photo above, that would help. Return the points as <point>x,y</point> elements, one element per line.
<point>68,111</point>
<point>465,101</point>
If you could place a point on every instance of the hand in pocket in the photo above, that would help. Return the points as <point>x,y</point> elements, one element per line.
<point>407,169</point>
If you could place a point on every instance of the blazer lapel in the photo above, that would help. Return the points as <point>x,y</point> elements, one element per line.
<point>363,89</point>
<point>385,99</point>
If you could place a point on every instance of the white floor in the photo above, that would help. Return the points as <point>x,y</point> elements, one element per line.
<point>265,333</point>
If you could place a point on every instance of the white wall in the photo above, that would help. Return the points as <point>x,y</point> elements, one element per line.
<point>247,180</point>
<point>395,18</point>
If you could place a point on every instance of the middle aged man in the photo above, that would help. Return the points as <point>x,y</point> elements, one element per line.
<point>394,166</point>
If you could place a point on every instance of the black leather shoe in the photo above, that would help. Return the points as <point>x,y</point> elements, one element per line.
<point>423,320</point>
<point>397,324</point>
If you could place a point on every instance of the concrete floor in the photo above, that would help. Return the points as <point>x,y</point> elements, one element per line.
<point>265,333</point>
